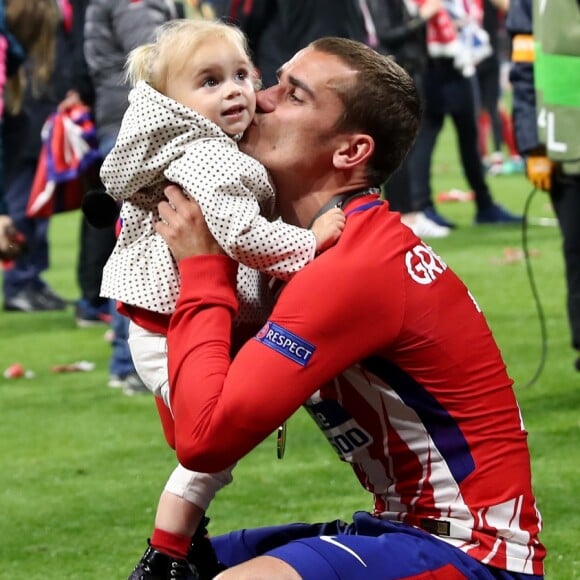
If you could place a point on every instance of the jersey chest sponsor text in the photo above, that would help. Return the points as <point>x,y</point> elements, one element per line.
<point>341,430</point>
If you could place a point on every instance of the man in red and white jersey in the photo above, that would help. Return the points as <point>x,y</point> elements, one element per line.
<point>377,338</point>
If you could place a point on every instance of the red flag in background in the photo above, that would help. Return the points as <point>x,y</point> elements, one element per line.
<point>69,148</point>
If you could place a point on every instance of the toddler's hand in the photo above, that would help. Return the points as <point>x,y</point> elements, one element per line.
<point>328,228</point>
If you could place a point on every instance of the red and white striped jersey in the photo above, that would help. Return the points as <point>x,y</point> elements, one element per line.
<point>416,396</point>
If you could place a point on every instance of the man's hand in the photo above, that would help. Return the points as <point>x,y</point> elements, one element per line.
<point>539,171</point>
<point>429,8</point>
<point>71,99</point>
<point>502,5</point>
<point>12,242</point>
<point>183,228</point>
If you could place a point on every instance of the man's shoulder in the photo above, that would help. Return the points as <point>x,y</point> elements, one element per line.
<point>371,230</point>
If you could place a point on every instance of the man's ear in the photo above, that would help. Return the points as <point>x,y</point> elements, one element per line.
<point>353,150</point>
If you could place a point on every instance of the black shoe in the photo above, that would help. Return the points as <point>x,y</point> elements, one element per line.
<point>201,554</point>
<point>29,300</point>
<point>51,299</point>
<point>155,565</point>
<point>577,364</point>
<point>496,214</point>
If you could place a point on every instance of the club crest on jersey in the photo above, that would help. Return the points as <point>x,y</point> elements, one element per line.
<point>423,264</point>
<point>286,343</point>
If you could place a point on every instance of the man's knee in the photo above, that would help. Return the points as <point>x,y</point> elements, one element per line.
<point>260,568</point>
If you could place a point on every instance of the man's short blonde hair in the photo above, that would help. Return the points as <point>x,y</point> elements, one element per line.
<point>381,100</point>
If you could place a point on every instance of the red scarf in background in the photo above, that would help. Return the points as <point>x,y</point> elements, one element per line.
<point>456,32</point>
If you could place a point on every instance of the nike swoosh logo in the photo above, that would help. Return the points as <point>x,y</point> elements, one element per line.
<point>332,540</point>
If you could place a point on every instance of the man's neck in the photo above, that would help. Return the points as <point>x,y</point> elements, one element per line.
<point>301,210</point>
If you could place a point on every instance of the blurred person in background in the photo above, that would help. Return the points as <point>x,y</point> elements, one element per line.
<point>456,42</point>
<point>492,116</point>
<point>277,29</point>
<point>112,29</point>
<point>24,34</point>
<point>95,243</point>
<point>32,90</point>
<point>398,28</point>
<point>545,75</point>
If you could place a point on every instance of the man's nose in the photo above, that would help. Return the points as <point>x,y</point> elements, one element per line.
<point>266,100</point>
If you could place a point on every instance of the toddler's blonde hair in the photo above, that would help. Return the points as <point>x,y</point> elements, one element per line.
<point>176,41</point>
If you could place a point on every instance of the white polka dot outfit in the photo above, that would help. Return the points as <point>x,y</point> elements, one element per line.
<point>161,140</point>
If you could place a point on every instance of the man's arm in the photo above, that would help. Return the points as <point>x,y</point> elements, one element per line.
<point>224,410</point>
<point>199,346</point>
<point>539,167</point>
<point>519,27</point>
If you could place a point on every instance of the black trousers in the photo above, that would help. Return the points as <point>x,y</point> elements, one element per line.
<point>446,91</point>
<point>95,247</point>
<point>565,197</point>
<point>488,92</point>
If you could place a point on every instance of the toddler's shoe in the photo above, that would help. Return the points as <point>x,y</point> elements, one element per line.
<point>155,565</point>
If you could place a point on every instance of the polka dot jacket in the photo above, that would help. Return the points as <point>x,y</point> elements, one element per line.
<point>161,140</point>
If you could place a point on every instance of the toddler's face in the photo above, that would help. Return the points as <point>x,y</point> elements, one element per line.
<point>217,83</point>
